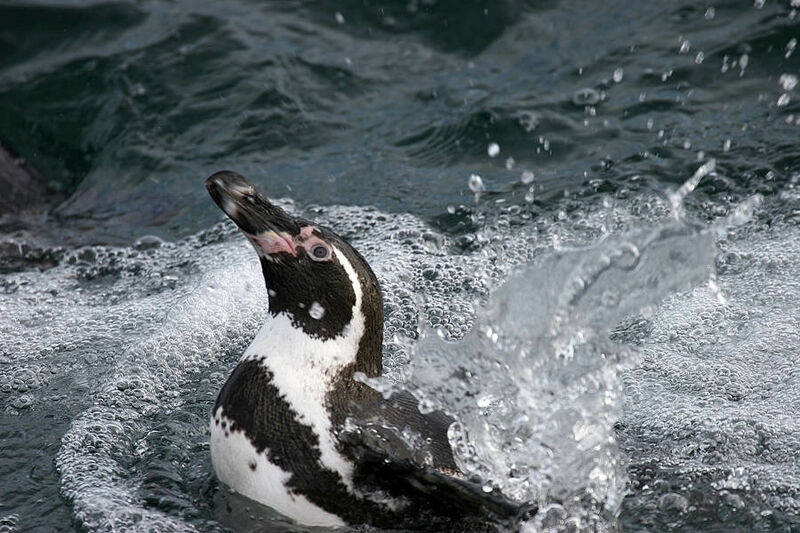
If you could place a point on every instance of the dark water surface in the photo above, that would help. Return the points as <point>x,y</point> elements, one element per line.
<point>108,368</point>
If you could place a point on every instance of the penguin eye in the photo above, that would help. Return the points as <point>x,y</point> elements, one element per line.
<point>319,252</point>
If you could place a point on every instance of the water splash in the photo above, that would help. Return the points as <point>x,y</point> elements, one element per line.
<point>677,198</point>
<point>535,385</point>
<point>535,379</point>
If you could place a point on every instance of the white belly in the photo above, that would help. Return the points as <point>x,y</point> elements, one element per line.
<point>234,457</point>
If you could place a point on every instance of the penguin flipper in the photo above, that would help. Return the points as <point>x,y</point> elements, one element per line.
<point>396,447</point>
<point>396,426</point>
<point>446,493</point>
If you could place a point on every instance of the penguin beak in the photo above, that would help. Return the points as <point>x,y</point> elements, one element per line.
<point>264,224</point>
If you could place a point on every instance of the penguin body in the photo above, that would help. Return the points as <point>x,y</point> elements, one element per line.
<point>282,428</point>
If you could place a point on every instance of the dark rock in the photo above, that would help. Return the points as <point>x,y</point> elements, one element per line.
<point>23,187</point>
<point>16,255</point>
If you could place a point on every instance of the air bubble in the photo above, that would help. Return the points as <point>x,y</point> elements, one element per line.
<point>148,242</point>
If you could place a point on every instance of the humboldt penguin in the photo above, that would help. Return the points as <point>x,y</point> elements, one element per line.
<point>293,428</point>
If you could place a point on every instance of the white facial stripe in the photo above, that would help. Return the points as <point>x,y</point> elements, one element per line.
<point>232,456</point>
<point>351,273</point>
<point>303,369</point>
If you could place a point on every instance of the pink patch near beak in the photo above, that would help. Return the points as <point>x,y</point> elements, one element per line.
<point>273,243</point>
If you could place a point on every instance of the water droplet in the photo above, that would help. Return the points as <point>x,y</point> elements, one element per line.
<point>487,488</point>
<point>650,123</point>
<point>788,81</point>
<point>790,46</point>
<point>784,100</point>
<point>475,183</point>
<point>699,57</point>
<point>685,47</point>
<point>528,120</point>
<point>339,18</point>
<point>510,163</point>
<point>710,13</point>
<point>759,3</point>
<point>585,96</point>
<point>485,401</point>
<point>617,76</point>
<point>316,311</point>
<point>527,177</point>
<point>726,145</point>
<point>493,149</point>
<point>529,195</point>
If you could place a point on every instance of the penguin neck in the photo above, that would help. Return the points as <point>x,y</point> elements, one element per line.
<point>287,350</point>
<point>311,363</point>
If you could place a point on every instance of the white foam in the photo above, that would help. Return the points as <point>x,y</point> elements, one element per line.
<point>717,388</point>
<point>141,343</point>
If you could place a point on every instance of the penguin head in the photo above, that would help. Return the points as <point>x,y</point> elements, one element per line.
<point>312,275</point>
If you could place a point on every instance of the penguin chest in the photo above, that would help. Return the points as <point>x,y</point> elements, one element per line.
<point>271,437</point>
<point>249,470</point>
